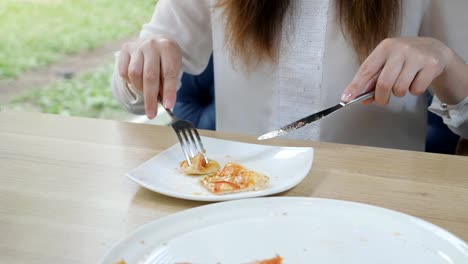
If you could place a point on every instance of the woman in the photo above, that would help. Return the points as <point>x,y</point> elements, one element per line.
<point>277,61</point>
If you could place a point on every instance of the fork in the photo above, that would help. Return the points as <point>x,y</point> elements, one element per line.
<point>189,138</point>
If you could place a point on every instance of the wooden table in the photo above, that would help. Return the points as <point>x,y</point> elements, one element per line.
<point>64,197</point>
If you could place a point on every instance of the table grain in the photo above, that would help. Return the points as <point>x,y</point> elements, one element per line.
<point>64,197</point>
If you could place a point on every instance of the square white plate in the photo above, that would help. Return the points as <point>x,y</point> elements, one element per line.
<point>285,166</point>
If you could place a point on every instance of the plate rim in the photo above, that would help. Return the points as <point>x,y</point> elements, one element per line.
<point>226,197</point>
<point>183,214</point>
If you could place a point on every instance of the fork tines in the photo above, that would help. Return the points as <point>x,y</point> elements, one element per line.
<point>185,130</point>
<point>189,139</point>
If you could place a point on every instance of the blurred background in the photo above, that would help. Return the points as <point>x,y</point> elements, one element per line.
<point>57,56</point>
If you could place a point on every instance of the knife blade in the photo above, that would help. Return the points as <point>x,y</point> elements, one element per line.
<point>314,117</point>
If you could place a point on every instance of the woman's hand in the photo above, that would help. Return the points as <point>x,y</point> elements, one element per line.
<point>401,65</point>
<point>152,66</point>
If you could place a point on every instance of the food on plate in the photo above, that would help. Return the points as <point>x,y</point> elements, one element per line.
<point>231,178</point>
<point>199,166</point>
<point>234,177</point>
<point>121,262</point>
<point>275,260</point>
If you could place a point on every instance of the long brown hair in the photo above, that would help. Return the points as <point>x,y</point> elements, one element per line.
<point>253,27</point>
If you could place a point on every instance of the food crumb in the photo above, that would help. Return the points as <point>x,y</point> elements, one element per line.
<point>285,213</point>
<point>121,262</point>
<point>228,157</point>
<point>276,260</point>
<point>396,234</point>
<point>197,193</point>
<point>142,241</point>
<point>305,249</point>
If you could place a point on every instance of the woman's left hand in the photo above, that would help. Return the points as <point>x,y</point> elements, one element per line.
<point>398,66</point>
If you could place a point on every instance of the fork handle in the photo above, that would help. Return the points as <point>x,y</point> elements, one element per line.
<point>171,114</point>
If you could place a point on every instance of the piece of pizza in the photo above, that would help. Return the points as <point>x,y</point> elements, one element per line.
<point>199,166</point>
<point>234,178</point>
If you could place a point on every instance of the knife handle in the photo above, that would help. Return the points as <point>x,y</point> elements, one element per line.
<point>360,98</point>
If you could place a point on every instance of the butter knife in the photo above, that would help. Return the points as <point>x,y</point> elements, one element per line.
<point>314,117</point>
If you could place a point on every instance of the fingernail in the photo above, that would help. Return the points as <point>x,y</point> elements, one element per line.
<point>346,96</point>
<point>151,114</point>
<point>167,104</point>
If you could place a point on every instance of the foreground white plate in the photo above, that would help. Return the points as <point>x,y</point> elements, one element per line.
<point>286,167</point>
<point>301,230</point>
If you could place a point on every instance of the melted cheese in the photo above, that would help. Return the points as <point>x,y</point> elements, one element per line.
<point>199,166</point>
<point>234,178</point>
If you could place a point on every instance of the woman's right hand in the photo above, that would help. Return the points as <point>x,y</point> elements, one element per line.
<point>152,66</point>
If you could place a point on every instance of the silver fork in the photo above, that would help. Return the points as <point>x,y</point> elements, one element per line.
<point>189,138</point>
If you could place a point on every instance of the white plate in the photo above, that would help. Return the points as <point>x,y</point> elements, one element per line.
<point>301,230</point>
<point>286,167</point>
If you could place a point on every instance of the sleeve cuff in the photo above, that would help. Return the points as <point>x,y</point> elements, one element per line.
<point>453,115</point>
<point>130,98</point>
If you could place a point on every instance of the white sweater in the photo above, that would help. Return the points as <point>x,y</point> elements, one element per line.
<point>316,63</point>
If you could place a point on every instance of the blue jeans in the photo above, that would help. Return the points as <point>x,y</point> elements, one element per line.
<point>439,138</point>
<point>195,99</point>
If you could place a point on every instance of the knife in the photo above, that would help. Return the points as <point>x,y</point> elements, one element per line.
<point>314,117</point>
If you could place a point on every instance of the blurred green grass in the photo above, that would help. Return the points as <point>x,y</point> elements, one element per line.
<point>87,95</point>
<point>35,33</point>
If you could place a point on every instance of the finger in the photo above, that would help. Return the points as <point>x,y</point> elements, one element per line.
<point>135,70</point>
<point>369,87</point>
<point>123,63</point>
<point>170,67</point>
<point>368,101</point>
<point>151,76</point>
<point>369,68</point>
<point>424,78</point>
<point>387,79</point>
<point>403,82</point>
<point>422,81</point>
